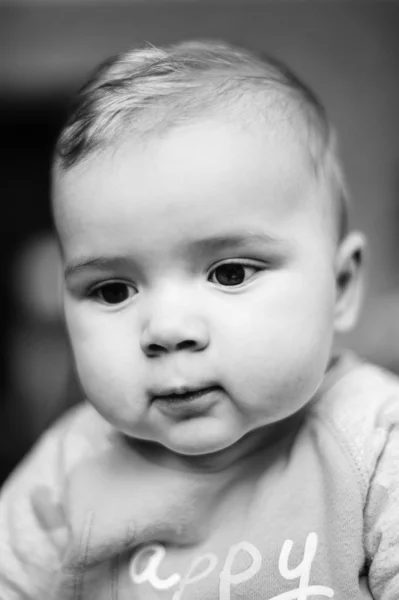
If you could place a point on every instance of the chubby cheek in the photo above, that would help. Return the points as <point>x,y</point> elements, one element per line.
<point>107,363</point>
<point>287,342</point>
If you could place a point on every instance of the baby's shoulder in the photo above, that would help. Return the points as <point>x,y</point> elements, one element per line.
<point>75,437</point>
<point>82,434</point>
<point>360,406</point>
<point>359,394</point>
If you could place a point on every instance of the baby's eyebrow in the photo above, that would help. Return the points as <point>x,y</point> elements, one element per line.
<point>233,240</point>
<point>98,262</point>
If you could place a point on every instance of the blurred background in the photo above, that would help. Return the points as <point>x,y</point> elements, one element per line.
<point>348,51</point>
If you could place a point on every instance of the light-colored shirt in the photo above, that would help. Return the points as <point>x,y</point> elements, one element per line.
<point>87,516</point>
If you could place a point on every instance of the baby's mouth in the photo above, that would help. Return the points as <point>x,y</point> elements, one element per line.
<point>185,395</point>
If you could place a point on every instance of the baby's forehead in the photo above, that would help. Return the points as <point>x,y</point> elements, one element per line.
<point>209,156</point>
<point>211,144</point>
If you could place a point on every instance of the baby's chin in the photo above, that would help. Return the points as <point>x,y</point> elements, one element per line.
<point>192,444</point>
<point>199,441</point>
<point>215,445</point>
<point>202,455</point>
<point>208,439</point>
<point>196,453</point>
<point>214,448</point>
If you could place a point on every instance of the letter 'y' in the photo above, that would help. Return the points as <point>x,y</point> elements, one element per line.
<point>302,571</point>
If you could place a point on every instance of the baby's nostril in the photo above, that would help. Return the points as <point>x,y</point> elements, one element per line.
<point>155,349</point>
<point>187,344</point>
<point>159,349</point>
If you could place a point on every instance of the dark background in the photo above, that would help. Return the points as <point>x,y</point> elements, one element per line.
<point>348,51</point>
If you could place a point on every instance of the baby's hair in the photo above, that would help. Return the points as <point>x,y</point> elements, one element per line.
<point>148,90</point>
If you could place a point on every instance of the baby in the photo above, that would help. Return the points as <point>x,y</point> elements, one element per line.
<point>226,450</point>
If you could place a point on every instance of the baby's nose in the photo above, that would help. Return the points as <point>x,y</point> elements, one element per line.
<point>167,332</point>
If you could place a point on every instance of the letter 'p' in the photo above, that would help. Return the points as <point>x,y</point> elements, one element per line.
<point>227,579</point>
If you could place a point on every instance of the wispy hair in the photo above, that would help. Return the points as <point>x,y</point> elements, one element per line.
<point>148,90</point>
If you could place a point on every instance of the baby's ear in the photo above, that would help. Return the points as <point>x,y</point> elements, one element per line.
<point>349,277</point>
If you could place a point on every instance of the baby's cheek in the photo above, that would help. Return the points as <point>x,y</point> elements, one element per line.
<point>99,373</point>
<point>113,382</point>
<point>102,353</point>
<point>282,366</point>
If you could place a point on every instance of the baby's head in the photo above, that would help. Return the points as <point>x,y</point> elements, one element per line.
<point>202,216</point>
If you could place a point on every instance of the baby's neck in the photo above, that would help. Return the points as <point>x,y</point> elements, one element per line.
<point>235,456</point>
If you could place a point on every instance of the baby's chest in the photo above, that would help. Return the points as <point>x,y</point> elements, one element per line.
<point>273,538</point>
<point>235,562</point>
<point>215,572</point>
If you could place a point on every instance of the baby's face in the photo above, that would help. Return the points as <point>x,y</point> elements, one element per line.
<point>200,286</point>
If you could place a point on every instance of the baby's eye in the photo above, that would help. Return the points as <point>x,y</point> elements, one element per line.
<point>231,274</point>
<point>114,292</point>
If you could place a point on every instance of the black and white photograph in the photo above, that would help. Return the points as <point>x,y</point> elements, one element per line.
<point>200,324</point>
